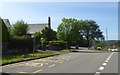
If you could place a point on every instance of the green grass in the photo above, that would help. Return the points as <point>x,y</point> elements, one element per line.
<point>14,58</point>
<point>66,50</point>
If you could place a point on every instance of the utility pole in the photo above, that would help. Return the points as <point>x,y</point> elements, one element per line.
<point>106,34</point>
<point>107,37</point>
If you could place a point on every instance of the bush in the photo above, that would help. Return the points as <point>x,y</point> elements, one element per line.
<point>57,45</point>
<point>20,28</point>
<point>21,44</point>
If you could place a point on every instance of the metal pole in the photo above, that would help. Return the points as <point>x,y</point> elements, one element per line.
<point>33,46</point>
<point>107,37</point>
<point>106,34</point>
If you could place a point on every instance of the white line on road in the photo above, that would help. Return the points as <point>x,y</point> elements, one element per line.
<point>37,71</point>
<point>104,64</point>
<point>12,65</point>
<point>109,57</point>
<point>101,68</point>
<point>46,63</point>
<point>68,59</point>
<point>41,64</point>
<point>61,62</point>
<point>58,61</point>
<point>51,65</point>
<point>22,72</point>
<point>106,61</point>
<point>97,73</point>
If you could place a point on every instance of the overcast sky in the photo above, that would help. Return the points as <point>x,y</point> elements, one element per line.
<point>104,13</point>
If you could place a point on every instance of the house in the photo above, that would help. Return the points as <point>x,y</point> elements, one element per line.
<point>38,27</point>
<point>7,22</point>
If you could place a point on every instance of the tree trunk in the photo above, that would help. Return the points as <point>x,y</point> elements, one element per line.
<point>87,41</point>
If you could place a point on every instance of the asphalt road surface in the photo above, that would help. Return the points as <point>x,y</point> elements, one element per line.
<point>76,62</point>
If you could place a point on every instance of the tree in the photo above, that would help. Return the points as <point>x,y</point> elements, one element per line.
<point>74,31</point>
<point>49,34</point>
<point>20,28</point>
<point>37,36</point>
<point>68,30</point>
<point>118,43</point>
<point>90,31</point>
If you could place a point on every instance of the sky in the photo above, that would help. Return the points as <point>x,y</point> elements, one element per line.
<point>104,13</point>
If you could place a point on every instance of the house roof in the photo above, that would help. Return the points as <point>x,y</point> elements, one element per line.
<point>36,27</point>
<point>7,23</point>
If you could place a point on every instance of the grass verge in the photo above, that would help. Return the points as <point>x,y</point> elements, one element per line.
<point>67,50</point>
<point>15,58</point>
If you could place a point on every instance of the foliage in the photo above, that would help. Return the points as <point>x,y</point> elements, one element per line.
<point>5,33</point>
<point>21,44</point>
<point>118,43</point>
<point>90,31</point>
<point>49,34</point>
<point>37,36</point>
<point>68,30</point>
<point>105,44</point>
<point>20,28</point>
<point>66,51</point>
<point>101,44</point>
<point>75,31</point>
<point>59,44</point>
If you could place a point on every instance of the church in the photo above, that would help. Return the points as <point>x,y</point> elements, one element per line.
<point>38,27</point>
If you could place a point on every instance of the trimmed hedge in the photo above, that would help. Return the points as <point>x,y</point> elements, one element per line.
<point>57,45</point>
<point>20,44</point>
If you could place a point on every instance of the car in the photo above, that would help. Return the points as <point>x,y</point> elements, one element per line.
<point>99,48</point>
<point>114,49</point>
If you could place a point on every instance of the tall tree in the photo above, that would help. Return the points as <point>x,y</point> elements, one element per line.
<point>20,28</point>
<point>37,36</point>
<point>90,31</point>
<point>49,34</point>
<point>68,30</point>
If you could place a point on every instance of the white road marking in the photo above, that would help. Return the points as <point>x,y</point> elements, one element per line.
<point>46,63</point>
<point>50,61</point>
<point>58,61</point>
<point>12,65</point>
<point>41,65</point>
<point>106,61</point>
<point>37,71</point>
<point>101,68</point>
<point>97,73</point>
<point>68,59</point>
<point>109,57</point>
<point>22,72</point>
<point>104,64</point>
<point>51,65</point>
<point>61,62</point>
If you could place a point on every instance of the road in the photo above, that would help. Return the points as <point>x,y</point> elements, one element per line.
<point>76,62</point>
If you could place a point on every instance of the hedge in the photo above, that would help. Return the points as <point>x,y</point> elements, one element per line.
<point>57,45</point>
<point>21,44</point>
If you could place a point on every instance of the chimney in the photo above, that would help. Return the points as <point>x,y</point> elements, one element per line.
<point>49,22</point>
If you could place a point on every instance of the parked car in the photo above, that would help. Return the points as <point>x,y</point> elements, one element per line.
<point>115,49</point>
<point>99,48</point>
